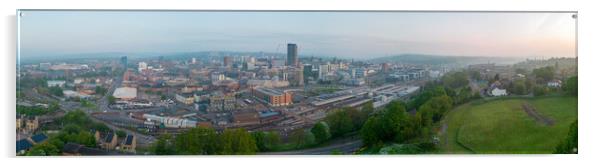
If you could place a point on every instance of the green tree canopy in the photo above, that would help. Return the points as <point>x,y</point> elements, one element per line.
<point>570,86</point>
<point>197,141</point>
<point>43,149</point>
<point>237,141</point>
<point>544,74</point>
<point>569,144</point>
<point>321,132</point>
<point>339,122</point>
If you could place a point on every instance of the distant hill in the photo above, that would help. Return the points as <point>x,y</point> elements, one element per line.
<point>440,59</point>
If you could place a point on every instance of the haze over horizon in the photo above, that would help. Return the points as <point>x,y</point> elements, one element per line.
<point>342,34</point>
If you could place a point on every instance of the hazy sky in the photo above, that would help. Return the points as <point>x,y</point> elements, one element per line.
<point>345,34</point>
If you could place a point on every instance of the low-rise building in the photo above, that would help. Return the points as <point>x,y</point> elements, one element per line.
<point>53,83</point>
<point>109,142</point>
<point>555,84</point>
<point>169,122</point>
<point>19,123</point>
<point>185,98</point>
<point>125,93</point>
<point>273,97</point>
<point>129,143</point>
<point>246,118</point>
<point>75,94</point>
<point>221,102</point>
<point>32,124</point>
<point>498,92</point>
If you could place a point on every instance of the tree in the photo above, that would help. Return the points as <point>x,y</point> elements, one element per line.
<point>455,80</point>
<point>53,106</point>
<point>260,140</point>
<point>339,123</point>
<point>571,86</point>
<point>370,132</point>
<point>521,71</point>
<point>429,92</point>
<point>438,106</point>
<point>357,117</point>
<point>197,141</point>
<point>544,74</point>
<point>475,75</point>
<point>463,96</point>
<point>518,87</point>
<point>426,114</point>
<point>237,141</point>
<point>163,146</point>
<point>301,138</point>
<point>111,99</point>
<point>101,127</point>
<point>120,133</point>
<point>321,132</point>
<point>266,141</point>
<point>77,117</point>
<point>540,90</point>
<point>73,133</point>
<point>56,90</point>
<point>392,121</point>
<point>569,144</point>
<point>272,139</point>
<point>43,149</point>
<point>100,90</point>
<point>31,111</point>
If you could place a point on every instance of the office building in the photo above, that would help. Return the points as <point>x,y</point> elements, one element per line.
<point>292,59</point>
<point>124,62</point>
<point>227,61</point>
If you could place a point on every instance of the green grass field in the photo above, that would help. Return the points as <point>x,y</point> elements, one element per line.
<point>501,126</point>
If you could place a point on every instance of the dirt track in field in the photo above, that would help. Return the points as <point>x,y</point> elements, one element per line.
<point>530,110</point>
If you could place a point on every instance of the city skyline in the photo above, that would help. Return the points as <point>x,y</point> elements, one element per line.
<point>343,34</point>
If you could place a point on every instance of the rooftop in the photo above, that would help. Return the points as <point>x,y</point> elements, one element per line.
<point>129,139</point>
<point>109,137</point>
<point>125,92</point>
<point>23,144</point>
<point>273,92</point>
<point>74,148</point>
<point>39,138</point>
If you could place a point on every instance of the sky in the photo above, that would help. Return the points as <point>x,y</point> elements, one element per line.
<point>342,34</point>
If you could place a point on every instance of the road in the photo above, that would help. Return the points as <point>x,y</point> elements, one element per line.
<point>345,146</point>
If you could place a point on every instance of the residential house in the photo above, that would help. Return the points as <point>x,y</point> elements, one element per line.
<point>32,124</point>
<point>109,142</point>
<point>555,84</point>
<point>498,92</point>
<point>129,143</point>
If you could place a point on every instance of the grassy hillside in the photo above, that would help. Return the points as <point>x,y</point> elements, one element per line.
<point>502,126</point>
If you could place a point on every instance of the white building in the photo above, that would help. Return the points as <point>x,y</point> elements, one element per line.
<point>498,92</point>
<point>75,94</point>
<point>53,83</point>
<point>125,93</point>
<point>171,122</point>
<point>142,66</point>
<point>555,84</point>
<point>217,77</point>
